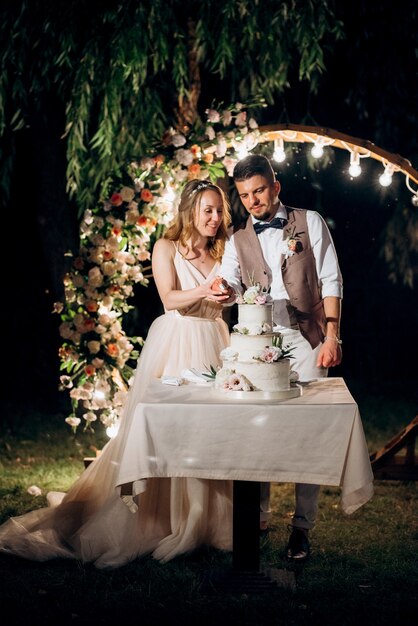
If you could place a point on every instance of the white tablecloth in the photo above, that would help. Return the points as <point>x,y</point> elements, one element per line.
<point>190,431</point>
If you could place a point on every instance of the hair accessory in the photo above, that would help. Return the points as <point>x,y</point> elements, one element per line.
<point>201,185</point>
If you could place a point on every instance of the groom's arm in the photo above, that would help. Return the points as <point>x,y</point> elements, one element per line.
<point>230,268</point>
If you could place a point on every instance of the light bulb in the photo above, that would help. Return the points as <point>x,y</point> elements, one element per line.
<point>279,154</point>
<point>354,170</point>
<point>317,151</point>
<point>386,178</point>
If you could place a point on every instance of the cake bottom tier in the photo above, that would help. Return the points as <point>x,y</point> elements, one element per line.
<point>266,376</point>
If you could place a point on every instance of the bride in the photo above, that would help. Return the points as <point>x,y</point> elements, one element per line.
<point>101,521</point>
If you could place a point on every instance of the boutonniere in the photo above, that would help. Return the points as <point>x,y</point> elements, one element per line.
<point>292,241</point>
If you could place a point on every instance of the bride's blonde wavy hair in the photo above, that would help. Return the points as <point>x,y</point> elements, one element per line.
<point>183,227</point>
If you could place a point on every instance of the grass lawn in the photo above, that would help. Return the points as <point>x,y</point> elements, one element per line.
<point>363,569</point>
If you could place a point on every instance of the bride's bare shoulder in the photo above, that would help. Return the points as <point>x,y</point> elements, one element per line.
<point>164,245</point>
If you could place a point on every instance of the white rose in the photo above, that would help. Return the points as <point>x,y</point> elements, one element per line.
<point>93,346</point>
<point>210,133</point>
<point>65,330</point>
<point>251,294</point>
<point>226,118</point>
<point>178,140</point>
<point>213,116</point>
<point>221,148</point>
<point>95,278</point>
<point>184,157</point>
<point>127,194</point>
<point>88,216</point>
<point>73,421</point>
<point>229,164</point>
<point>228,354</point>
<point>241,329</point>
<point>90,416</point>
<point>146,164</point>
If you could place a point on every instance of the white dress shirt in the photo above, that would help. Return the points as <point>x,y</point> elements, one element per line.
<point>272,245</point>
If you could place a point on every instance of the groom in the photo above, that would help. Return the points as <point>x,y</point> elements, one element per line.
<point>290,252</point>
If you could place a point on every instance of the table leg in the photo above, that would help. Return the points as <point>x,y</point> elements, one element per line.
<point>245,576</point>
<point>246,526</point>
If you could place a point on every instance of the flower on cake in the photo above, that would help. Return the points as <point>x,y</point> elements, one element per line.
<point>222,376</point>
<point>229,354</point>
<point>255,294</point>
<point>270,354</point>
<point>237,382</point>
<point>252,329</point>
<point>276,352</point>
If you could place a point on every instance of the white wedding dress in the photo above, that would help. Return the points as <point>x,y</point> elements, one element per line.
<point>175,515</point>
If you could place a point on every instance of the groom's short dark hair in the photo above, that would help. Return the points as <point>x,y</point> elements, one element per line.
<point>254,165</point>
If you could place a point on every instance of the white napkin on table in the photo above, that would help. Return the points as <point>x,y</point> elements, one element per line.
<point>194,376</point>
<point>172,380</point>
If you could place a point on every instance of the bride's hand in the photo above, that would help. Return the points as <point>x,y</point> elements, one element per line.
<point>220,291</point>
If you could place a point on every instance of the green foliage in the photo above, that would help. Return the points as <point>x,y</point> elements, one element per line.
<point>118,68</point>
<point>400,244</point>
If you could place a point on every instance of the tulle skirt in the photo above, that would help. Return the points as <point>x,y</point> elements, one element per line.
<point>175,515</point>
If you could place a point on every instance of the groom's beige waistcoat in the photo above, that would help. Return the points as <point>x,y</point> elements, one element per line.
<point>298,270</point>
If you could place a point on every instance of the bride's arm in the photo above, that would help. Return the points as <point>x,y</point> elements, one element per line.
<point>164,273</point>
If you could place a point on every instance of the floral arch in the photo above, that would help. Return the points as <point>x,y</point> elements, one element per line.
<point>97,357</point>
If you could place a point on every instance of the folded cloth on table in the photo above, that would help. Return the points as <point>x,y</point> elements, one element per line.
<point>172,380</point>
<point>194,376</point>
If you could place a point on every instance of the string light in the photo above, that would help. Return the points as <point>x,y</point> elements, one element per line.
<point>279,154</point>
<point>320,142</point>
<point>386,178</point>
<point>414,192</point>
<point>357,152</point>
<point>355,169</point>
<point>317,150</point>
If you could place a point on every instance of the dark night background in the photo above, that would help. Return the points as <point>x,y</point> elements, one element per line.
<point>357,97</point>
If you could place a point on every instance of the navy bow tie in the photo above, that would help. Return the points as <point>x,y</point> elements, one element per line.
<point>277,222</point>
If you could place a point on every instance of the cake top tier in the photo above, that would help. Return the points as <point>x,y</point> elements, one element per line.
<point>254,319</point>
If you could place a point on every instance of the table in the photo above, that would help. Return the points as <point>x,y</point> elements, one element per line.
<point>193,431</point>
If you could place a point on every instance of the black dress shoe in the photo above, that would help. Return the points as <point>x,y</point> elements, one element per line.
<point>298,546</point>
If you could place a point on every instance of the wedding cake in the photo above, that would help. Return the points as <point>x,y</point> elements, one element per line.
<point>256,364</point>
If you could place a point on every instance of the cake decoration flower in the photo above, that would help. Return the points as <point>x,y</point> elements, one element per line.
<point>276,352</point>
<point>255,294</point>
<point>229,354</point>
<point>237,382</point>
